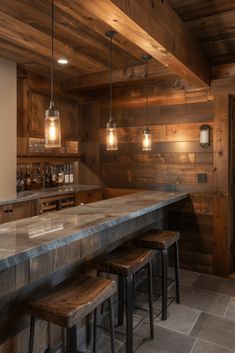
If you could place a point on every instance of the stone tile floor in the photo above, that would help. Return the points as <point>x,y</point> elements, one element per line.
<point>204,322</point>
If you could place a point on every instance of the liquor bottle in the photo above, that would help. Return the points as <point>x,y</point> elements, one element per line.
<point>34,178</point>
<point>38,177</point>
<point>60,176</point>
<point>48,178</point>
<point>43,178</point>
<point>54,176</point>
<point>71,174</point>
<point>18,181</point>
<point>66,174</point>
<point>28,180</point>
<point>22,183</point>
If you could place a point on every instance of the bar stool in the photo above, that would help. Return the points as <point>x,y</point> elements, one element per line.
<point>162,240</point>
<point>71,302</point>
<point>125,262</point>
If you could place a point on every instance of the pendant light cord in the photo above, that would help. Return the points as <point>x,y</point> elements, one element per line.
<point>52,53</point>
<point>147,93</point>
<point>111,80</point>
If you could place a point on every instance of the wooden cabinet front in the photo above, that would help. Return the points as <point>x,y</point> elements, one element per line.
<point>18,211</point>
<point>84,197</point>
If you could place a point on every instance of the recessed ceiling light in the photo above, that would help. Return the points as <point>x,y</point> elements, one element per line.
<point>62,61</point>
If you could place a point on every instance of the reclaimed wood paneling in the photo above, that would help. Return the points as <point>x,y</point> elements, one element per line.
<point>176,162</point>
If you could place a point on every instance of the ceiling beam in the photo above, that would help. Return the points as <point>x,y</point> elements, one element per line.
<point>128,75</point>
<point>76,11</point>
<point>158,31</point>
<point>19,33</point>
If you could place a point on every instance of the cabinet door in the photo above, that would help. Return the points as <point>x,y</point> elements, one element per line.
<point>69,119</point>
<point>38,103</point>
<point>89,196</point>
<point>19,210</point>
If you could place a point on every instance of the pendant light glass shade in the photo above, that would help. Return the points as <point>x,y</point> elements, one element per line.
<point>146,138</point>
<point>52,116</point>
<point>52,128</point>
<point>111,137</point>
<point>111,128</point>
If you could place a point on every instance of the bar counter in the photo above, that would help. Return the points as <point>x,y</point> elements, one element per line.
<point>28,238</point>
<point>39,252</point>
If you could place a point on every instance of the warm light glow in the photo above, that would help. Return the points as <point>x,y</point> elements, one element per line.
<point>146,143</point>
<point>62,61</point>
<point>205,136</point>
<point>111,138</point>
<point>52,129</point>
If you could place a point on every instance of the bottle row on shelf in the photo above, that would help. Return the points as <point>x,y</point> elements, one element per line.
<point>34,176</point>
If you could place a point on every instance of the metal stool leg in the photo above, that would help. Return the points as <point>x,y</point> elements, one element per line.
<point>31,335</point>
<point>177,285</point>
<point>120,300</point>
<point>150,294</point>
<point>129,314</point>
<point>164,283</point>
<point>71,346</point>
<point>94,331</point>
<point>111,325</point>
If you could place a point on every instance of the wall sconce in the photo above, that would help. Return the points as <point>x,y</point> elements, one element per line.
<point>205,136</point>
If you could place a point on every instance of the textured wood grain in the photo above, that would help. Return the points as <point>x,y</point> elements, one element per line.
<point>222,186</point>
<point>155,31</point>
<point>70,302</point>
<point>124,260</point>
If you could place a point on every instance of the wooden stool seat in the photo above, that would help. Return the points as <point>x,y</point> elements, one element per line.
<point>162,240</point>
<point>70,302</point>
<point>124,260</point>
<point>158,239</point>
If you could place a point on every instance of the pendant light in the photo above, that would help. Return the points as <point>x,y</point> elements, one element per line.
<point>146,138</point>
<point>52,118</point>
<point>111,128</point>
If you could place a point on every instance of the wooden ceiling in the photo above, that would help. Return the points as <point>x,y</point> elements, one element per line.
<point>212,23</point>
<point>178,34</point>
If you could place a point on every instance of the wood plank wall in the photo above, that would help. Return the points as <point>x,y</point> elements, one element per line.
<point>175,163</point>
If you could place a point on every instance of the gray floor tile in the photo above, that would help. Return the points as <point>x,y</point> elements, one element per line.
<point>180,318</point>
<point>204,300</point>
<point>187,278</point>
<point>206,347</point>
<point>165,341</point>
<point>216,284</point>
<point>230,314</point>
<point>216,330</point>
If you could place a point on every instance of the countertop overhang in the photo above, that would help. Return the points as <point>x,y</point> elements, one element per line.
<point>31,237</point>
<point>49,192</point>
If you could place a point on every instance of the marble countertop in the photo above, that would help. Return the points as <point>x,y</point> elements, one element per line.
<point>31,237</point>
<point>42,193</point>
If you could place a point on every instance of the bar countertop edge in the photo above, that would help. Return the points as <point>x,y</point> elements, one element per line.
<point>92,218</point>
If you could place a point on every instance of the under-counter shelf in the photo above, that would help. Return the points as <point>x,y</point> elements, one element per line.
<point>56,203</point>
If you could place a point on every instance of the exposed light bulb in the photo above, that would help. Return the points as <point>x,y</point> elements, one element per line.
<point>147,141</point>
<point>111,137</point>
<point>52,129</point>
